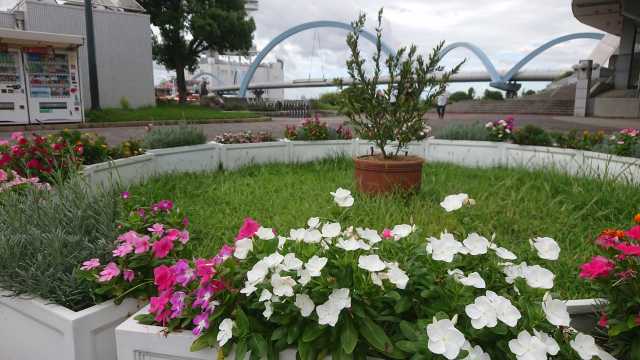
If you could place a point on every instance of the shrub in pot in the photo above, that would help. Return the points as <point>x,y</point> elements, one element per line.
<point>393,117</point>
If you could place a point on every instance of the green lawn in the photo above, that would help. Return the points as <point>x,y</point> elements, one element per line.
<point>166,113</point>
<point>516,205</point>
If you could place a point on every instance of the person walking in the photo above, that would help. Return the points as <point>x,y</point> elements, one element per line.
<point>441,104</point>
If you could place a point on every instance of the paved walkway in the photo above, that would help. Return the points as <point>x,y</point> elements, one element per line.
<point>117,135</point>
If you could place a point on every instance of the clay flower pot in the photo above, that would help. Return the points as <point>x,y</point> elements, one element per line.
<point>376,175</point>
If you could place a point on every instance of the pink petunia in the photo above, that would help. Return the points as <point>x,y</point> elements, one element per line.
<point>157,229</point>
<point>634,233</point>
<point>162,248</point>
<point>163,277</point>
<point>249,228</point>
<point>90,264</point>
<point>123,250</point>
<point>598,267</point>
<point>629,249</point>
<point>128,275</point>
<point>172,234</point>
<point>110,271</point>
<point>129,237</point>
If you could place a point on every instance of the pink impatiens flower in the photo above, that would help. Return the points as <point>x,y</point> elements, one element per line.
<point>607,241</point>
<point>205,270</point>
<point>598,267</point>
<point>90,264</point>
<point>387,233</point>
<point>141,244</point>
<point>128,275</point>
<point>164,278</point>
<point>162,248</point>
<point>123,250</point>
<point>157,229</point>
<point>110,271</point>
<point>629,249</point>
<point>202,322</point>
<point>634,232</point>
<point>248,229</point>
<point>3,175</point>
<point>184,237</point>
<point>184,273</point>
<point>177,304</point>
<point>157,306</point>
<point>604,320</point>
<point>225,252</point>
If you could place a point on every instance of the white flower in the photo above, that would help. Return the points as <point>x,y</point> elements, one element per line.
<point>454,202</point>
<point>265,295</point>
<point>445,248</point>
<point>444,338</point>
<point>343,197</point>
<point>313,223</point>
<point>268,310</point>
<point>475,353</point>
<point>505,254</point>
<point>304,277</point>
<point>352,245</point>
<point>315,265</point>
<point>249,288</point>
<point>265,233</point>
<point>371,263</point>
<point>331,230</point>
<point>476,244</point>
<point>514,272</point>
<point>556,311</point>
<point>243,247</point>
<point>297,234</point>
<point>376,278</point>
<point>282,285</point>
<point>506,312</point>
<point>371,236</point>
<point>547,248</point>
<point>305,304</point>
<point>258,273</point>
<point>474,279</point>
<point>402,231</point>
<point>291,263</point>
<point>585,346</point>
<point>397,276</point>
<point>225,332</point>
<point>312,236</point>
<point>329,312</point>
<point>552,345</point>
<point>341,297</point>
<point>281,241</point>
<point>273,260</point>
<point>539,277</point>
<point>527,347</point>
<point>482,313</point>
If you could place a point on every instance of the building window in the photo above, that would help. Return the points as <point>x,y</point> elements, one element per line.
<point>634,80</point>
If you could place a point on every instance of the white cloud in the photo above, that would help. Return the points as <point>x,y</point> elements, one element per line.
<point>6,4</point>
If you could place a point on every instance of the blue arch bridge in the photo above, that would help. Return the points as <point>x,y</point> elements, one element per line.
<point>506,80</point>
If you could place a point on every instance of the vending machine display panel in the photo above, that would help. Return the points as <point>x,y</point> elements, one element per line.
<point>13,98</point>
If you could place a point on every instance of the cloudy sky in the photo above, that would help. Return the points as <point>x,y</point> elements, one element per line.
<point>505,29</point>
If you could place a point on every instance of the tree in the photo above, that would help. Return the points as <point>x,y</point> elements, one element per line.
<point>189,27</point>
<point>459,96</point>
<point>471,92</point>
<point>493,95</point>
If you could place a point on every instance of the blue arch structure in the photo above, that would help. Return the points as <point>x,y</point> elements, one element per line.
<point>488,65</point>
<point>246,80</point>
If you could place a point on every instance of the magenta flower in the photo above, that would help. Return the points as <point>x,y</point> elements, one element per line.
<point>125,195</point>
<point>157,229</point>
<point>157,307</point>
<point>3,176</point>
<point>225,252</point>
<point>129,237</point>
<point>128,275</point>
<point>627,274</point>
<point>634,233</point>
<point>185,221</point>
<point>123,250</point>
<point>184,237</point>
<point>173,234</point>
<point>110,271</point>
<point>201,322</point>
<point>205,270</point>
<point>184,273</point>
<point>141,244</point>
<point>17,135</point>
<point>387,234</point>
<point>163,205</point>
<point>598,267</point>
<point>629,249</point>
<point>141,212</point>
<point>162,248</point>
<point>177,304</point>
<point>248,229</point>
<point>203,296</point>
<point>606,241</point>
<point>164,278</point>
<point>90,264</point>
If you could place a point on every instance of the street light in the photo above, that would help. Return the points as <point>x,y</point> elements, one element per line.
<point>91,51</point>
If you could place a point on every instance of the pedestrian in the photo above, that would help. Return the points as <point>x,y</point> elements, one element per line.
<point>441,104</point>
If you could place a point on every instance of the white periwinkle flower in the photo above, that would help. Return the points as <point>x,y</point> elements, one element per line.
<point>444,338</point>
<point>454,202</point>
<point>273,260</point>
<point>397,276</point>
<point>291,263</point>
<point>297,234</point>
<point>475,353</point>
<point>304,277</point>
<point>539,277</point>
<point>476,244</point>
<point>585,346</point>
<point>482,313</point>
<point>555,311</point>
<point>313,222</point>
<point>282,285</point>
<point>371,236</point>
<point>445,248</point>
<point>546,247</point>
<point>225,332</point>
<point>243,247</point>
<point>329,312</point>
<point>249,288</point>
<point>343,198</point>
<point>474,279</point>
<point>315,265</point>
<point>505,254</point>
<point>506,312</point>
<point>268,310</point>
<point>265,233</point>
<point>331,230</point>
<point>402,231</point>
<point>305,304</point>
<point>371,263</point>
<point>312,236</point>
<point>265,295</point>
<point>514,272</point>
<point>552,345</point>
<point>528,347</point>
<point>258,273</point>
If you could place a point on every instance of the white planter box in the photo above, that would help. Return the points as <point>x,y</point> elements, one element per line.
<point>187,158</point>
<point>307,151</point>
<point>612,167</point>
<point>124,171</point>
<point>466,153</point>
<point>31,329</point>
<point>538,157</point>
<point>235,156</point>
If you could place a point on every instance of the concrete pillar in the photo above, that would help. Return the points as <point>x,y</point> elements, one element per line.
<point>625,57</point>
<point>583,72</point>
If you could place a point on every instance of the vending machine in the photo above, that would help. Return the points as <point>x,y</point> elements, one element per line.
<point>53,85</point>
<point>13,96</point>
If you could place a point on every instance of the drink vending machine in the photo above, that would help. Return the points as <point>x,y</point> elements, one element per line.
<point>13,99</point>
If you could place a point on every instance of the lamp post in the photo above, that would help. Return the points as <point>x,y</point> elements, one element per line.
<point>91,51</point>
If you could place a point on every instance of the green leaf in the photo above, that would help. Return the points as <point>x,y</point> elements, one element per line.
<point>402,305</point>
<point>145,319</point>
<point>241,349</point>
<point>294,332</point>
<point>618,329</point>
<point>306,351</point>
<point>312,332</point>
<point>200,344</point>
<point>259,345</point>
<point>349,336</point>
<point>408,330</point>
<point>339,354</point>
<point>242,323</point>
<point>407,346</point>
<point>375,335</point>
<point>279,333</point>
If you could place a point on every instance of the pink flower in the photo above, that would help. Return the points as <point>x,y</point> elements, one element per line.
<point>202,322</point>
<point>205,270</point>
<point>184,237</point>
<point>156,229</point>
<point>129,237</point>
<point>226,251</point>
<point>157,307</point>
<point>248,229</point>
<point>90,264</point>
<point>164,278</point>
<point>173,234</point>
<point>141,212</point>
<point>4,159</point>
<point>387,234</point>
<point>4,143</point>
<point>598,267</point>
<point>204,295</point>
<point>3,175</point>
<point>17,135</point>
<point>110,271</point>
<point>606,241</point>
<point>141,244</point>
<point>184,273</point>
<point>162,248</point>
<point>629,249</point>
<point>604,320</point>
<point>163,205</point>
<point>185,221</point>
<point>125,195</point>
<point>627,274</point>
<point>128,275</point>
<point>177,304</point>
<point>123,250</point>
<point>634,232</point>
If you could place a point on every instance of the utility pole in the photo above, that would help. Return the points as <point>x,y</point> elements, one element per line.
<point>91,51</point>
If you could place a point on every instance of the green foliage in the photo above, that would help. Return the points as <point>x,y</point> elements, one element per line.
<point>189,28</point>
<point>129,148</point>
<point>95,148</point>
<point>314,129</point>
<point>394,115</point>
<point>475,131</point>
<point>44,236</point>
<point>532,135</point>
<point>580,140</point>
<point>166,112</point>
<point>493,95</point>
<point>124,103</point>
<point>168,136</point>
<point>459,96</point>
<point>330,98</point>
<point>245,137</point>
<point>528,92</point>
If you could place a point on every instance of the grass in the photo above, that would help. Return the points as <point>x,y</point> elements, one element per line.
<point>167,137</point>
<point>166,112</point>
<point>475,131</point>
<point>516,205</point>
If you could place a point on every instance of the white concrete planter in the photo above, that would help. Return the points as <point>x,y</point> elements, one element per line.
<point>124,171</point>
<point>32,329</point>
<point>307,151</point>
<point>235,156</point>
<point>538,157</point>
<point>466,153</point>
<point>187,158</point>
<point>612,167</point>
<point>584,313</point>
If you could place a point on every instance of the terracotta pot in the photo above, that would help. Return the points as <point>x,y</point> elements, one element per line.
<point>376,175</point>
